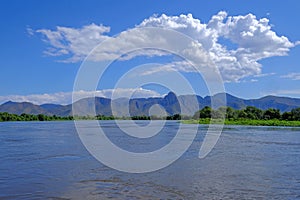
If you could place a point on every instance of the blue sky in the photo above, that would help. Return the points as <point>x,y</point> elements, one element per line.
<point>30,73</point>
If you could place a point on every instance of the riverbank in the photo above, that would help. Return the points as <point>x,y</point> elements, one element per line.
<point>249,122</point>
<point>252,122</point>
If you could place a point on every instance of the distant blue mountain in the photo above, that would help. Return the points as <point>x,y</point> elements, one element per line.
<point>25,107</point>
<point>141,106</point>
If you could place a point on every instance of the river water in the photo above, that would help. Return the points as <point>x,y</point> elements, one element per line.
<point>46,160</point>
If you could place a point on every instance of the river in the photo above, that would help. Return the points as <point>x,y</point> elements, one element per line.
<point>46,160</point>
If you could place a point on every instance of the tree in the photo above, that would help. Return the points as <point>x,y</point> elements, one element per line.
<point>253,112</point>
<point>231,113</point>
<point>217,114</point>
<point>174,117</point>
<point>295,113</point>
<point>205,112</point>
<point>143,117</point>
<point>241,114</point>
<point>272,113</point>
<point>177,117</point>
<point>41,117</point>
<point>226,112</point>
<point>287,116</point>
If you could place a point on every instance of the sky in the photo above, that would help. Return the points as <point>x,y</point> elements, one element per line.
<point>253,46</point>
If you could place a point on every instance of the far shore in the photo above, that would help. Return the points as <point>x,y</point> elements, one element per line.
<point>4,117</point>
<point>248,122</point>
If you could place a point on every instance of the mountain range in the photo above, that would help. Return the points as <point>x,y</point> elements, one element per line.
<point>167,105</point>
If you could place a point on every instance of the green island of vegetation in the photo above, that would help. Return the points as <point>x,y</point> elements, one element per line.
<point>223,115</point>
<point>248,116</point>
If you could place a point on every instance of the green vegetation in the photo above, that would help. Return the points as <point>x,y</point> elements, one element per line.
<point>27,117</point>
<point>141,117</point>
<point>98,117</point>
<point>250,122</point>
<point>227,115</point>
<point>247,116</point>
<point>256,122</point>
<point>174,117</point>
<point>40,117</point>
<point>171,117</point>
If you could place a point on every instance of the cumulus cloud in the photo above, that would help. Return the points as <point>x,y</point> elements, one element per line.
<point>253,39</point>
<point>77,42</point>
<point>292,76</point>
<point>65,98</point>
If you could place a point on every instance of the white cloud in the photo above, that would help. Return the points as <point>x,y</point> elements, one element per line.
<point>256,77</point>
<point>77,42</point>
<point>65,98</point>
<point>264,75</point>
<point>292,76</point>
<point>291,93</point>
<point>254,40</point>
<point>55,98</point>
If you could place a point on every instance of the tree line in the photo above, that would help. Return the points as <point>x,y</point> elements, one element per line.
<point>4,117</point>
<point>154,117</point>
<point>250,112</point>
<point>29,117</point>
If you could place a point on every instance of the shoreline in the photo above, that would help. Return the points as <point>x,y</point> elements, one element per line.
<point>246,122</point>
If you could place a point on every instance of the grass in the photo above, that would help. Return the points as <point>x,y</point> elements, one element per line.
<point>250,122</point>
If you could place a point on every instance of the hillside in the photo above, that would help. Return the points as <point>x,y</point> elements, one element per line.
<point>141,106</point>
